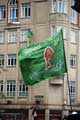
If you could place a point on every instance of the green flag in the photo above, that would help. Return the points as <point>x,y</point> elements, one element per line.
<point>43,60</point>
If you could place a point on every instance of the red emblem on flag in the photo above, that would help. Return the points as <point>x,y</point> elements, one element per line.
<point>48,53</point>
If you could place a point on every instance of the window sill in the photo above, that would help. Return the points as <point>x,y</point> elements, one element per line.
<point>1,43</point>
<point>11,66</point>
<point>74,43</point>
<point>12,42</point>
<point>25,17</point>
<point>22,97</point>
<point>23,41</point>
<point>72,67</point>
<point>2,19</point>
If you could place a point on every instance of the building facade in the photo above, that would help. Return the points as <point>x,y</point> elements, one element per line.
<point>50,99</point>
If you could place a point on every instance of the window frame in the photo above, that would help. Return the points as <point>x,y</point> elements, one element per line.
<point>13,14</point>
<point>53,6</point>
<point>65,6</point>
<point>25,7</point>
<point>12,36</point>
<point>13,2</point>
<point>59,6</point>
<point>73,60</point>
<point>11,60</point>
<point>10,88</point>
<point>72,90</point>
<point>2,12</point>
<point>1,37</point>
<point>13,11</point>
<point>73,14</point>
<point>23,35</point>
<point>1,86</point>
<point>73,36</point>
<point>53,30</point>
<point>1,60</point>
<point>22,89</point>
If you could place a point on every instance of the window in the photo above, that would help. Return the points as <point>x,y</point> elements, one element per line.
<point>72,90</point>
<point>52,30</point>
<point>72,2</point>
<point>11,60</point>
<point>73,14</point>
<point>1,37</point>
<point>25,10</point>
<point>59,27</point>
<point>10,88</point>
<point>59,6</point>
<point>13,10</point>
<point>2,12</point>
<point>73,36</point>
<point>13,2</point>
<point>64,32</point>
<point>53,6</point>
<point>73,61</point>
<point>23,35</point>
<point>12,36</point>
<point>1,60</point>
<point>1,86</point>
<point>23,90</point>
<point>65,6</point>
<point>13,14</point>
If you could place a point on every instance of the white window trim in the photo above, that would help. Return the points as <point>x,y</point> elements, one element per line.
<point>24,92</point>
<point>14,3</point>
<point>59,1</point>
<point>13,7</point>
<point>65,6</point>
<point>53,30</point>
<point>12,36</point>
<point>23,35</point>
<point>1,85</point>
<point>2,8</point>
<point>73,36</point>
<point>73,16</point>
<point>53,6</point>
<point>2,60</point>
<point>15,17</point>
<point>73,58</point>
<point>10,93</point>
<point>23,9</point>
<point>9,58</point>
<point>2,37</point>
<point>72,87</point>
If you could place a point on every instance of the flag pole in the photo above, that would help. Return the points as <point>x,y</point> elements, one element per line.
<point>29,37</point>
<point>68,83</point>
<point>69,91</point>
<point>29,40</point>
<point>68,56</point>
<point>67,78</point>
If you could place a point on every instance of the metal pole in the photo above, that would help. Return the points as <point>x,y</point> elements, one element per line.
<point>69,92</point>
